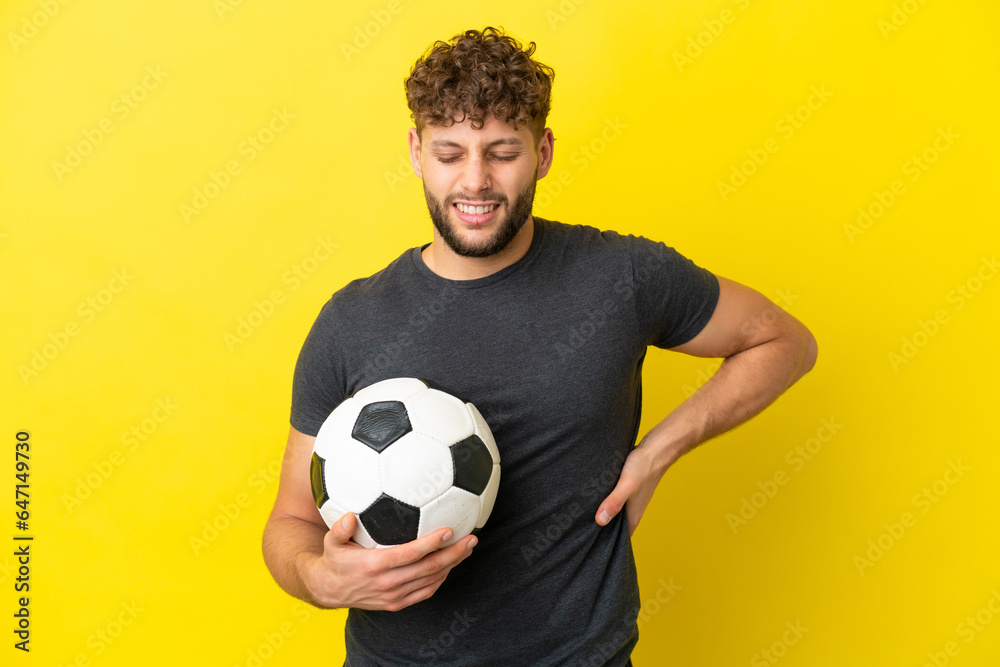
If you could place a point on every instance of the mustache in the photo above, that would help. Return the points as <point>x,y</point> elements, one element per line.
<point>490,197</point>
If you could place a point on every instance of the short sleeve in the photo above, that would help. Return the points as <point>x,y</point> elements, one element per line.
<point>674,297</point>
<point>318,382</point>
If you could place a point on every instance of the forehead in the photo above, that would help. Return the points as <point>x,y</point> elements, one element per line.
<point>494,132</point>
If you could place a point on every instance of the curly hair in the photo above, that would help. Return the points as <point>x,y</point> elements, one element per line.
<point>479,74</point>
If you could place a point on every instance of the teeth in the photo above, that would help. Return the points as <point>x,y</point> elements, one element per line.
<point>477,210</point>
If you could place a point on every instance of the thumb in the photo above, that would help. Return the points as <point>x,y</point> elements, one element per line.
<point>343,528</point>
<point>615,501</point>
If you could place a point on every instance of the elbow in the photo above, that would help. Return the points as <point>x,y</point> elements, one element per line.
<point>811,350</point>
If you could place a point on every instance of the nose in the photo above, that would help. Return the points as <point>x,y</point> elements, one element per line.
<point>476,175</point>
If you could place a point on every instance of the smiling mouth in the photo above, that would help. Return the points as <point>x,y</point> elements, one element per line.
<point>476,209</point>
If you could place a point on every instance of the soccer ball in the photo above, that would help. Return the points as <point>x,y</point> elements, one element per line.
<point>407,457</point>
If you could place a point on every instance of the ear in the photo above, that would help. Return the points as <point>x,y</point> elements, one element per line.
<point>414,140</point>
<point>546,147</point>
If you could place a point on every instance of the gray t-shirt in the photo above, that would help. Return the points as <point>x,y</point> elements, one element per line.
<point>550,350</point>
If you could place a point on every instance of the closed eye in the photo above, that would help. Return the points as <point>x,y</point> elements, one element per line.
<point>499,158</point>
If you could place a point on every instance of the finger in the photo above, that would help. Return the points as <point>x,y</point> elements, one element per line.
<point>433,582</point>
<point>343,529</point>
<point>613,504</point>
<point>434,564</point>
<point>417,595</point>
<point>411,552</point>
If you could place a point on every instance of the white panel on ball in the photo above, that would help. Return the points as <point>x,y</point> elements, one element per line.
<point>484,433</point>
<point>395,389</point>
<point>352,475</point>
<point>456,509</point>
<point>440,415</point>
<point>489,496</point>
<point>337,426</point>
<point>331,512</point>
<point>416,469</point>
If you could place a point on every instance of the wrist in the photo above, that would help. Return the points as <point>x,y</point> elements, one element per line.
<point>663,448</point>
<point>306,572</point>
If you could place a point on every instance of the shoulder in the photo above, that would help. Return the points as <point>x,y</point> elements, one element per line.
<point>585,242</point>
<point>592,248</point>
<point>563,232</point>
<point>596,238</point>
<point>638,250</point>
<point>645,260</point>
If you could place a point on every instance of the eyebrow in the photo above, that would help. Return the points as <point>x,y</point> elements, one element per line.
<point>506,141</point>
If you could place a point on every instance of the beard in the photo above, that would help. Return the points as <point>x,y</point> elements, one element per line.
<point>505,232</point>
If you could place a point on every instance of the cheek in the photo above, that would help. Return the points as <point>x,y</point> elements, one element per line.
<point>526,177</point>
<point>440,182</point>
<point>516,187</point>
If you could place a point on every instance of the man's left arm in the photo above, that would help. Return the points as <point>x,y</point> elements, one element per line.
<point>766,351</point>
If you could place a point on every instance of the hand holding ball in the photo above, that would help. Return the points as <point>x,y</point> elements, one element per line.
<point>407,458</point>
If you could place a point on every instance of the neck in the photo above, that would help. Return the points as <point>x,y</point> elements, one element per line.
<point>446,263</point>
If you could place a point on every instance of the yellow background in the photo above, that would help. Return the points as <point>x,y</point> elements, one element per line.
<point>117,519</point>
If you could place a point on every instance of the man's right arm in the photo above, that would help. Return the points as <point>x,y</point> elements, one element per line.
<point>325,568</point>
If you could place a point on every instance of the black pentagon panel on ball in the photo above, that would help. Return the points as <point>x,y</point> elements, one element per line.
<point>473,464</point>
<point>381,424</point>
<point>390,521</point>
<point>317,480</point>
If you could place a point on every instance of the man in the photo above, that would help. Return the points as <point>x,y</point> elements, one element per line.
<point>544,327</point>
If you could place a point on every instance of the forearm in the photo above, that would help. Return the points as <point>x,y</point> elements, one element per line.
<point>767,351</point>
<point>745,384</point>
<point>289,544</point>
